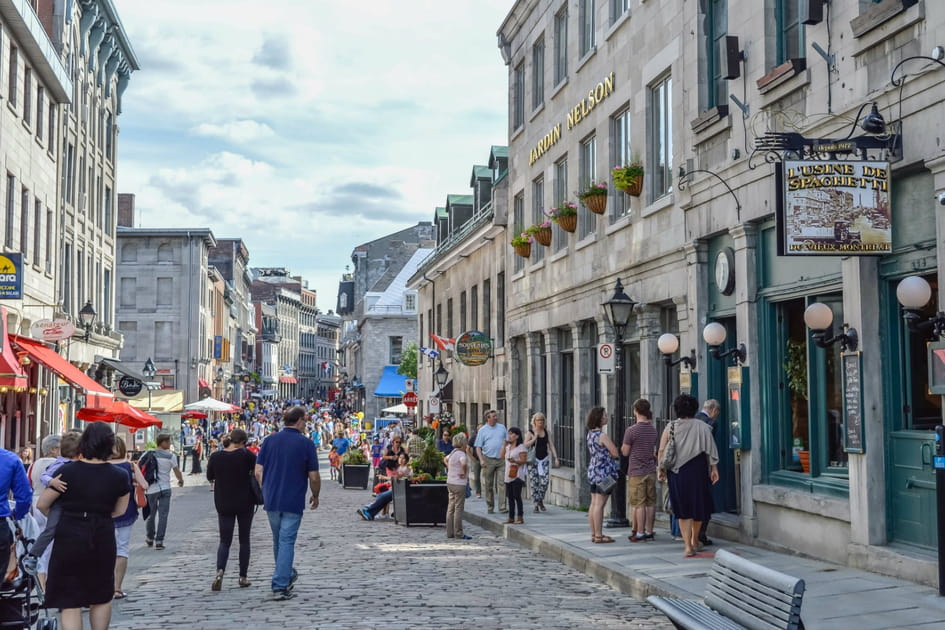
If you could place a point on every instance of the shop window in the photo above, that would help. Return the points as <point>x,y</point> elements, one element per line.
<point>660,162</point>
<point>561,45</point>
<point>809,415</point>
<point>538,74</point>
<point>714,27</point>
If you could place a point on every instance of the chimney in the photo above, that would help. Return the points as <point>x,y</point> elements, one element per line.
<point>126,210</point>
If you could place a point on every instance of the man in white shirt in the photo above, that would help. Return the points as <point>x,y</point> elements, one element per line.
<point>159,492</point>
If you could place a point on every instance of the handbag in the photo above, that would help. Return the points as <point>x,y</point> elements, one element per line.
<point>255,489</point>
<point>607,484</point>
<point>141,499</point>
<point>513,471</point>
<point>668,461</point>
<point>530,457</point>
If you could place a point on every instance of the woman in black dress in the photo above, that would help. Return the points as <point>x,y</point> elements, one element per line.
<point>694,471</point>
<point>229,471</point>
<point>82,565</point>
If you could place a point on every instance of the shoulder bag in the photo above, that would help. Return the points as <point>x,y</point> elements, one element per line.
<point>255,488</point>
<point>530,456</point>
<point>668,461</point>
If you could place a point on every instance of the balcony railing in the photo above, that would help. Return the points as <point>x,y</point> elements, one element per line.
<point>485,214</point>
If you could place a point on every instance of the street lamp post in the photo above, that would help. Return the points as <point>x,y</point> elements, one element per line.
<point>87,318</point>
<point>618,309</point>
<point>149,371</point>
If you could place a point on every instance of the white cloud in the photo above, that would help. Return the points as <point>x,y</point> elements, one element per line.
<point>310,127</point>
<point>236,131</point>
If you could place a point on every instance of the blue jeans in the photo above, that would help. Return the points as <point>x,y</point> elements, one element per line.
<point>285,529</point>
<point>160,504</point>
<point>379,502</point>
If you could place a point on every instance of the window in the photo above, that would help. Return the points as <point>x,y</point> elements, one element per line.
<point>518,97</point>
<point>449,318</point>
<point>65,277</point>
<point>410,302</point>
<point>538,215</point>
<point>109,133</point>
<point>559,239</point>
<point>11,210</point>
<point>396,350</point>
<point>618,8</point>
<point>620,135</point>
<point>165,253</point>
<point>487,307</point>
<point>107,296</point>
<point>439,320</point>
<point>24,221</point>
<point>129,252</point>
<point>165,291</point>
<point>68,175</point>
<point>80,291</point>
<point>500,309</point>
<point>790,31</point>
<point>164,341</point>
<point>37,230</point>
<point>27,96</point>
<point>462,312</point>
<point>128,289</point>
<point>11,77</point>
<point>563,429</point>
<point>108,210</point>
<point>660,161</point>
<point>474,308</point>
<point>715,27</point>
<point>538,73</point>
<point>587,221</point>
<point>50,226</point>
<point>587,26</point>
<point>51,134</point>
<point>561,45</point>
<point>40,107</point>
<point>518,226</point>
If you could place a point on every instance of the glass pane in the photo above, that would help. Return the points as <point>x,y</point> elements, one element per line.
<point>835,457</point>
<point>795,375</point>
<point>926,409</point>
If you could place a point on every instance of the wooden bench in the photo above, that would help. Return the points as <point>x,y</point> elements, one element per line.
<point>740,594</point>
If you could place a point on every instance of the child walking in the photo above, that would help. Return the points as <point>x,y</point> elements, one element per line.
<point>334,460</point>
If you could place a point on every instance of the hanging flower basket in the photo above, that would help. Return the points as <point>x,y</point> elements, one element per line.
<point>594,198</point>
<point>523,244</point>
<point>565,215</point>
<point>543,235</point>
<point>523,250</point>
<point>629,178</point>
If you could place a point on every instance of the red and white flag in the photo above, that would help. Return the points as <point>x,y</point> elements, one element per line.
<point>443,343</point>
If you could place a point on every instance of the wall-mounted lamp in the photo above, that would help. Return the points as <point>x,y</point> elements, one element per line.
<point>913,293</point>
<point>819,318</point>
<point>872,123</point>
<point>193,362</point>
<point>668,343</point>
<point>714,334</point>
<point>43,391</point>
<point>24,358</point>
<point>87,318</point>
<point>441,376</point>
<point>32,390</point>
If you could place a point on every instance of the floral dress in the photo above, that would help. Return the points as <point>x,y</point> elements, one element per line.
<point>600,463</point>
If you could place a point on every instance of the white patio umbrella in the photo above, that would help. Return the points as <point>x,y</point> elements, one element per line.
<point>211,404</point>
<point>400,408</point>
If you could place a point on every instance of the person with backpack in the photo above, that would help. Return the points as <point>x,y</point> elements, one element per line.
<point>159,491</point>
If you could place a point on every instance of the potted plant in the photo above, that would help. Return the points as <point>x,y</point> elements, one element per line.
<point>594,198</point>
<point>355,469</point>
<point>565,215</point>
<point>422,498</point>
<point>541,232</point>
<point>523,244</point>
<point>629,178</point>
<point>795,370</point>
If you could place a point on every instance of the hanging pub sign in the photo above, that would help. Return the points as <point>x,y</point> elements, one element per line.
<point>834,208</point>
<point>11,277</point>
<point>473,348</point>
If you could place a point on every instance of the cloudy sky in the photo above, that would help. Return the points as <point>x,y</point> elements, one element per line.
<point>307,127</point>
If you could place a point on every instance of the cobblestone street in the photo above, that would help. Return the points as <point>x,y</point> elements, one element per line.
<point>358,574</point>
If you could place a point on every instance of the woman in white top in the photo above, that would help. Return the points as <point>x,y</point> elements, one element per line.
<point>514,453</point>
<point>457,465</point>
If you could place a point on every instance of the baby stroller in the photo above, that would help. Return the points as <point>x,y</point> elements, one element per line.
<point>21,597</point>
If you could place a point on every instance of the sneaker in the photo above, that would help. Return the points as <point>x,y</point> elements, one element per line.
<point>293,579</point>
<point>537,509</point>
<point>542,506</point>
<point>159,546</point>
<point>365,514</point>
<point>217,582</point>
<point>649,537</point>
<point>465,537</point>
<point>281,596</point>
<point>29,564</point>
<point>148,542</point>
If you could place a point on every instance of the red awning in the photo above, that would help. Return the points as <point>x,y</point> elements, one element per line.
<point>288,379</point>
<point>202,383</point>
<point>11,374</point>
<point>96,394</point>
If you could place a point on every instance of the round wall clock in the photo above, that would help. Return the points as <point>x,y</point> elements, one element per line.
<point>725,271</point>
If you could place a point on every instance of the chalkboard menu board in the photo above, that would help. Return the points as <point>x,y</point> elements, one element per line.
<point>852,404</point>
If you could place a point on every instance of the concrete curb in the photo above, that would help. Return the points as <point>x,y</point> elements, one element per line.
<point>572,556</point>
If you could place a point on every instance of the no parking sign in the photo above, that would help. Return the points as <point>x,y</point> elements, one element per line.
<point>605,358</point>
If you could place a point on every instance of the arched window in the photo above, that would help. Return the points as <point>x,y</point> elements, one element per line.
<point>165,253</point>
<point>129,252</point>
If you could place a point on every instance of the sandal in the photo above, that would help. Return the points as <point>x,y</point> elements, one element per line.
<point>602,539</point>
<point>119,595</point>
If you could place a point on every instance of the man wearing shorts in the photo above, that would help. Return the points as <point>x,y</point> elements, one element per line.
<point>639,444</point>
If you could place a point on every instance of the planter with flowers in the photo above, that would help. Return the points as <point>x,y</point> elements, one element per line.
<point>523,244</point>
<point>541,232</point>
<point>629,178</point>
<point>565,216</point>
<point>594,197</point>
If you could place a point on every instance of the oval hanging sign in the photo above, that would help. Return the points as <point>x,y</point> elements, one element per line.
<point>473,348</point>
<point>52,329</point>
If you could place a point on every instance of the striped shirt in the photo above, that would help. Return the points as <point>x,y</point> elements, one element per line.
<point>641,438</point>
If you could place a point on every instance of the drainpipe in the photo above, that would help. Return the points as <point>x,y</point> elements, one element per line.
<point>430,325</point>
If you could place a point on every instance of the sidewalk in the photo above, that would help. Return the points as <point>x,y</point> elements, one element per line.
<point>837,597</point>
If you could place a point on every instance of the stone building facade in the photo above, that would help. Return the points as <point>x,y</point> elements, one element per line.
<point>231,259</point>
<point>595,85</point>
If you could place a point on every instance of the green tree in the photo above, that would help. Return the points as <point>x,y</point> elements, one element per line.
<point>408,361</point>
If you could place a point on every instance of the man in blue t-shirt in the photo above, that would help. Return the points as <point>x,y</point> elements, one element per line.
<point>287,460</point>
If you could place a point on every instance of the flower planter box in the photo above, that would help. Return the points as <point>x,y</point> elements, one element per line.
<point>568,224</point>
<point>596,203</point>
<point>523,250</point>
<point>420,503</point>
<point>634,187</point>
<point>543,236</point>
<point>355,476</point>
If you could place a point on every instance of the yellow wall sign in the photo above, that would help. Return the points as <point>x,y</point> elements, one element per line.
<point>576,114</point>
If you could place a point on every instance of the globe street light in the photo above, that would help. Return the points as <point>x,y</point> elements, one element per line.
<point>714,335</point>
<point>819,318</point>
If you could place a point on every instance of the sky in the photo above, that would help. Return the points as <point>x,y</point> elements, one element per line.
<point>307,127</point>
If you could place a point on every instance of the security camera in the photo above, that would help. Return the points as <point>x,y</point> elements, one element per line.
<point>941,199</point>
